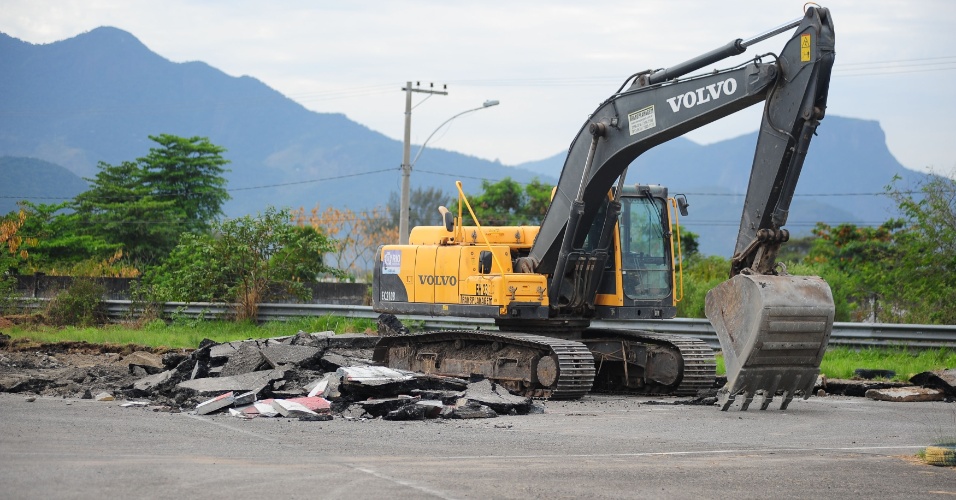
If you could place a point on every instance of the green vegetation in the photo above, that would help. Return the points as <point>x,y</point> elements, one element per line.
<point>188,333</point>
<point>243,261</point>
<point>507,203</point>
<point>902,271</point>
<point>840,362</point>
<point>79,305</point>
<point>133,211</point>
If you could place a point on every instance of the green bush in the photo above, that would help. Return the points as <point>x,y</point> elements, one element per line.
<point>80,305</point>
<point>700,275</point>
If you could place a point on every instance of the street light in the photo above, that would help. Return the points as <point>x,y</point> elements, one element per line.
<point>403,228</point>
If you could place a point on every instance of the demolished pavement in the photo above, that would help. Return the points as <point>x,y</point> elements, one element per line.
<point>315,376</point>
<point>308,376</point>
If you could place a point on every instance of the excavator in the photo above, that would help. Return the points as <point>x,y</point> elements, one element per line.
<point>605,250</point>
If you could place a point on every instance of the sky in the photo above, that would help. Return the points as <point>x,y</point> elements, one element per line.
<point>549,63</point>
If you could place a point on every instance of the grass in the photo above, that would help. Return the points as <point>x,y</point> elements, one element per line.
<point>188,334</point>
<point>840,362</point>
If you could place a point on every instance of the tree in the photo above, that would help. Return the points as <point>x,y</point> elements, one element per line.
<point>122,208</point>
<point>144,206</point>
<point>243,261</point>
<point>507,203</point>
<point>190,173</point>
<point>927,269</point>
<point>422,208</point>
<point>63,240</point>
<point>867,256</point>
<point>13,246</point>
<point>355,236</point>
<point>13,250</point>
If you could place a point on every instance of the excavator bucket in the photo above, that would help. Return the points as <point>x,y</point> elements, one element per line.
<point>773,331</point>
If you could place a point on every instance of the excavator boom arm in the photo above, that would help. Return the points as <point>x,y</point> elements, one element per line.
<point>657,109</point>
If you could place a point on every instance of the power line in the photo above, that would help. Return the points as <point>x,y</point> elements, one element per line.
<point>248,188</point>
<point>308,181</point>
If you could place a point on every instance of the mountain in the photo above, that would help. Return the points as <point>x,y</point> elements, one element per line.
<point>848,156</point>
<point>35,180</point>
<point>99,95</point>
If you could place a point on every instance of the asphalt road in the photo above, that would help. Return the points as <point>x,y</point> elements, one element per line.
<point>600,447</point>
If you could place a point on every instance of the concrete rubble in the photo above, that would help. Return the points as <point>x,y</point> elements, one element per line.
<point>320,376</point>
<point>944,380</point>
<point>910,394</point>
<point>307,376</point>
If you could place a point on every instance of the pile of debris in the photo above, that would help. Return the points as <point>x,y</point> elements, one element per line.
<point>937,385</point>
<point>311,376</point>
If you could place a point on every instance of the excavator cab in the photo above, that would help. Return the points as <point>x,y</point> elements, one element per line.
<point>646,262</point>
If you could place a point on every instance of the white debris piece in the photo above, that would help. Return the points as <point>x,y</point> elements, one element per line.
<point>319,386</point>
<point>291,408</point>
<point>372,374</point>
<point>217,403</point>
<point>265,409</point>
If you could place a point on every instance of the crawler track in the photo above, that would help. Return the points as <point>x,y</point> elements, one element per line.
<point>573,361</point>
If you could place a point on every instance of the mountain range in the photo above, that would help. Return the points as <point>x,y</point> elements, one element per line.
<point>98,96</point>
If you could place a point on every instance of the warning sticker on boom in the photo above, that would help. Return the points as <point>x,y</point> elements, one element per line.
<point>804,48</point>
<point>641,120</point>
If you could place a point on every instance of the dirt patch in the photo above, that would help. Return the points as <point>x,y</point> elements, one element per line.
<point>67,369</point>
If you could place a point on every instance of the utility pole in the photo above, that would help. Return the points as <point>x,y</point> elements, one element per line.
<point>406,153</point>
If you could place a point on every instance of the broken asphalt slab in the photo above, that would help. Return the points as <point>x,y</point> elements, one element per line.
<point>498,399</point>
<point>254,382</point>
<point>296,355</point>
<point>906,394</point>
<point>944,380</point>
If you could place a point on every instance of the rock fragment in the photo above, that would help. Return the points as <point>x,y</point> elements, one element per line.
<point>248,358</point>
<point>499,400</point>
<point>905,394</point>
<point>246,398</point>
<point>857,388</point>
<point>148,362</point>
<point>104,396</point>
<point>147,384</point>
<point>944,380</point>
<point>388,324</point>
<point>381,407</point>
<point>254,382</point>
<point>316,404</point>
<point>297,355</point>
<point>470,409</point>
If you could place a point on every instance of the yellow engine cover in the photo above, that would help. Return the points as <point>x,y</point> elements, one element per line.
<point>448,274</point>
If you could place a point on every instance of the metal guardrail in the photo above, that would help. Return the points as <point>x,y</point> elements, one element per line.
<point>847,334</point>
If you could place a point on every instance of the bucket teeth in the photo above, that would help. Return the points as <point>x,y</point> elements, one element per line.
<point>726,399</point>
<point>773,331</point>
